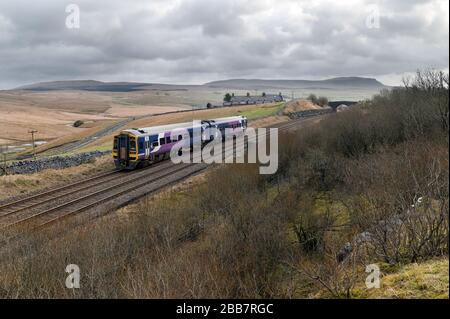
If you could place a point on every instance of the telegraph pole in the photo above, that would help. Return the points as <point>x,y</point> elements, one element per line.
<point>32,132</point>
<point>4,160</point>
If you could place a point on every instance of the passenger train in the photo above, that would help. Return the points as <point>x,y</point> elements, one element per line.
<point>139,147</point>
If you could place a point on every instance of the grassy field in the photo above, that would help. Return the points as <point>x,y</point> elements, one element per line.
<point>418,280</point>
<point>97,111</point>
<point>253,112</point>
<point>263,111</point>
<point>52,113</point>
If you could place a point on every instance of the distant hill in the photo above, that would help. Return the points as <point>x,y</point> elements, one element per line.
<point>238,84</point>
<point>84,85</point>
<point>333,83</point>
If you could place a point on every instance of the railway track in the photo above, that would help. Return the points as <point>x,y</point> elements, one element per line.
<point>21,214</point>
<point>48,216</point>
<point>115,188</point>
<point>21,204</point>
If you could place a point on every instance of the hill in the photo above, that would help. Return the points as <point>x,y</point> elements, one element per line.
<point>84,85</point>
<point>333,83</point>
<point>91,85</point>
<point>238,84</point>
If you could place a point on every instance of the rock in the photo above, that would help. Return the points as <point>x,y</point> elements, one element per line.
<point>344,252</point>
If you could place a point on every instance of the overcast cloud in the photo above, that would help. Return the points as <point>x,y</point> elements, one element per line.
<point>195,41</point>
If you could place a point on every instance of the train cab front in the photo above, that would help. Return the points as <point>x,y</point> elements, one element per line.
<point>125,151</point>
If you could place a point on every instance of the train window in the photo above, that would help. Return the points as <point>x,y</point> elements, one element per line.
<point>115,143</point>
<point>180,137</point>
<point>155,144</point>
<point>141,145</point>
<point>162,141</point>
<point>132,145</point>
<point>168,140</point>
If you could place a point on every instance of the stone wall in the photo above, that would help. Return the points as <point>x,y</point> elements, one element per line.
<point>55,162</point>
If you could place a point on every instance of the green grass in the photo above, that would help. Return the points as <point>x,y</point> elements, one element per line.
<point>107,146</point>
<point>264,111</point>
<point>425,280</point>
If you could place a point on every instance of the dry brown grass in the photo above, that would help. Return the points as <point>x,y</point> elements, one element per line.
<point>299,105</point>
<point>428,280</point>
<point>81,133</point>
<point>268,121</point>
<point>52,113</point>
<point>15,124</point>
<point>126,111</point>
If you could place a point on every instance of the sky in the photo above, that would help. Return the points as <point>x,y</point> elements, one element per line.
<point>196,41</point>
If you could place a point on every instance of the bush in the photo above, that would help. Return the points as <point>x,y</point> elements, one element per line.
<point>402,202</point>
<point>312,98</point>
<point>78,123</point>
<point>321,101</point>
<point>310,230</point>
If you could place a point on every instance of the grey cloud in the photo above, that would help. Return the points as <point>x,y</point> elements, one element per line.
<point>200,40</point>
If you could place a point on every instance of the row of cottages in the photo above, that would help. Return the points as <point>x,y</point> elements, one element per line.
<point>246,100</point>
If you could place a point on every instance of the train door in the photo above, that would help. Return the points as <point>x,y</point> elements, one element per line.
<point>123,147</point>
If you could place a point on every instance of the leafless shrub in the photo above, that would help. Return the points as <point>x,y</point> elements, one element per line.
<point>243,235</point>
<point>321,100</point>
<point>310,230</point>
<point>403,203</point>
<point>328,274</point>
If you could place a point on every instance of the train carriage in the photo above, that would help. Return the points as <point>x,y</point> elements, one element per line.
<point>137,147</point>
